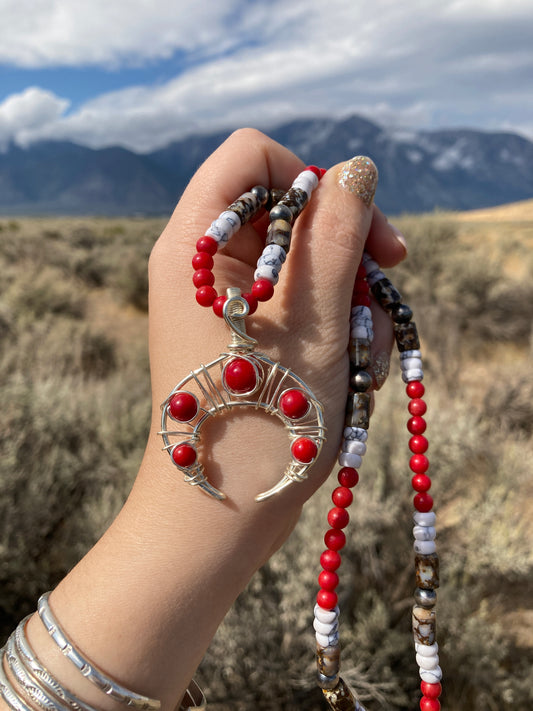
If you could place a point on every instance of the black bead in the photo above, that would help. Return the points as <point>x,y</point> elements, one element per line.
<point>361,381</point>
<point>261,193</point>
<point>425,597</point>
<point>406,336</point>
<point>281,212</point>
<point>386,293</point>
<point>401,313</point>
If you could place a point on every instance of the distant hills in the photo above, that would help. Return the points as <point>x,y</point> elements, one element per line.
<point>419,170</point>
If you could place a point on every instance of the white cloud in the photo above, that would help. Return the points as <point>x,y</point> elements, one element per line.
<point>415,63</point>
<point>32,110</point>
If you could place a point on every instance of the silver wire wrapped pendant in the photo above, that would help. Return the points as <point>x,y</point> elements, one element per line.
<point>241,377</point>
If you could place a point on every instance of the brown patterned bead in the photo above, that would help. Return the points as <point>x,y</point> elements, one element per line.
<point>359,353</point>
<point>295,199</point>
<point>279,232</point>
<point>424,625</point>
<point>245,208</point>
<point>358,410</point>
<point>406,336</point>
<point>274,197</point>
<point>427,571</point>
<point>341,698</point>
<point>328,660</point>
<point>386,293</point>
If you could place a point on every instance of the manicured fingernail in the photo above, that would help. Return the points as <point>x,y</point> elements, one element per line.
<point>360,177</point>
<point>381,366</point>
<point>399,236</point>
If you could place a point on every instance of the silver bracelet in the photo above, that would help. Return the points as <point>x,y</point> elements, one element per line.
<point>90,671</point>
<point>193,698</point>
<point>8,693</point>
<point>41,677</point>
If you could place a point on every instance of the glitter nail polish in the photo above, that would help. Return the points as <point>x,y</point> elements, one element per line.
<point>360,177</point>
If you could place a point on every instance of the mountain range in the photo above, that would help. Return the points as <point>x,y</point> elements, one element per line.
<point>454,169</point>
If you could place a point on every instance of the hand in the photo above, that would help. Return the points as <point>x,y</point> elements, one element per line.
<point>146,601</point>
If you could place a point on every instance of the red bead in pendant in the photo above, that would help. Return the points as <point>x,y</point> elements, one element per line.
<point>335,539</point>
<point>240,376</point>
<point>417,406</point>
<point>207,244</point>
<point>342,497</point>
<point>421,482</point>
<point>328,580</point>
<point>294,404</point>
<point>348,476</point>
<point>427,704</point>
<point>338,518</point>
<point>418,444</point>
<point>202,260</point>
<point>262,289</point>
<point>218,305</point>
<point>416,425</point>
<point>423,502</point>
<point>203,277</point>
<point>183,406</point>
<point>184,455</point>
<point>415,389</point>
<point>304,450</point>
<point>205,295</point>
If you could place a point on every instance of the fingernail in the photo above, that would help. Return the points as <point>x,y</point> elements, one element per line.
<point>381,367</point>
<point>360,177</point>
<point>399,236</point>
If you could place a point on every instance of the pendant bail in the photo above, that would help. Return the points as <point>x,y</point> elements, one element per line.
<point>235,310</point>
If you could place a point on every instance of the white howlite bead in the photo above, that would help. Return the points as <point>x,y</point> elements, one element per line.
<point>424,518</point>
<point>362,332</point>
<point>361,313</point>
<point>269,261</point>
<point>432,676</point>
<point>326,615</point>
<point>275,252</point>
<point>220,231</point>
<point>413,374</point>
<point>329,640</point>
<point>427,662</point>
<point>233,220</point>
<point>374,277</point>
<point>369,264</point>
<point>326,627</point>
<point>354,447</point>
<point>424,533</point>
<point>355,433</point>
<point>424,547</point>
<point>427,650</point>
<point>350,460</point>
<point>411,364</point>
<point>266,272</point>
<point>410,354</point>
<point>305,182</point>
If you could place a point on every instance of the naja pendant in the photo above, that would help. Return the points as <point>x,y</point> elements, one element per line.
<point>239,378</point>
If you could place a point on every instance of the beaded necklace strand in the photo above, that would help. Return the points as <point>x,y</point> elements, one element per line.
<point>249,378</point>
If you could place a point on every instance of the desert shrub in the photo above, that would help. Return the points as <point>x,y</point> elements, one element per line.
<point>132,278</point>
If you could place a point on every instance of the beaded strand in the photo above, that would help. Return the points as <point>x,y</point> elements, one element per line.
<point>284,208</point>
<point>335,690</point>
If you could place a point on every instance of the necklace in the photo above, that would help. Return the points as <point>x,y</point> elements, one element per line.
<point>242,377</point>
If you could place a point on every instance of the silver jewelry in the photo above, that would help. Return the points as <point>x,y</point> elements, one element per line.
<point>8,693</point>
<point>89,670</point>
<point>193,698</point>
<point>25,656</point>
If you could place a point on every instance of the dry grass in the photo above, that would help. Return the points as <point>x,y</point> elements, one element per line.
<point>73,320</point>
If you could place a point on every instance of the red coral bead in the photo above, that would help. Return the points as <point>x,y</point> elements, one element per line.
<point>342,496</point>
<point>338,518</point>
<point>335,539</point>
<point>419,463</point>
<point>415,389</point>
<point>416,425</point>
<point>417,406</point>
<point>203,277</point>
<point>432,691</point>
<point>183,406</point>
<point>328,580</point>
<point>207,244</point>
<point>330,560</point>
<point>323,172</point>
<point>423,502</point>
<point>263,289</point>
<point>218,305</point>
<point>252,302</point>
<point>418,444</point>
<point>304,450</point>
<point>327,599</point>
<point>202,260</point>
<point>184,455</point>
<point>206,295</point>
<point>294,404</point>
<point>361,300</point>
<point>421,482</point>
<point>427,704</point>
<point>348,476</point>
<point>240,376</point>
<point>315,170</point>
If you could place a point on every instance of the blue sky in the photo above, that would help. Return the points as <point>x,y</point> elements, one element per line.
<point>141,73</point>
